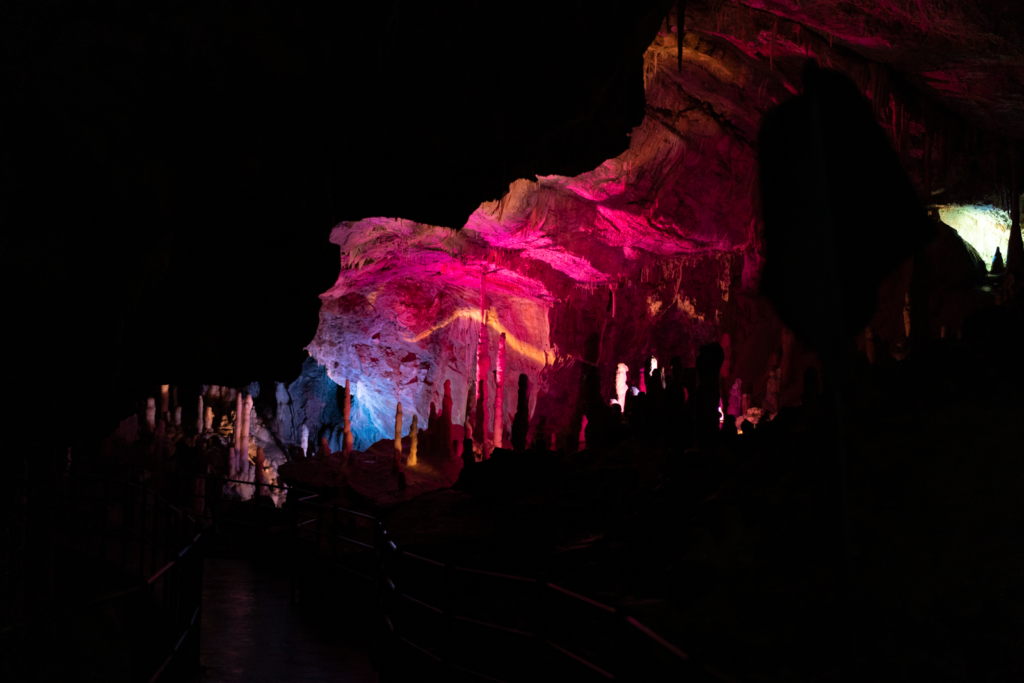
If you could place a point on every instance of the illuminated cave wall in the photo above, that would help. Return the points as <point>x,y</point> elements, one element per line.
<point>984,227</point>
<point>657,251</point>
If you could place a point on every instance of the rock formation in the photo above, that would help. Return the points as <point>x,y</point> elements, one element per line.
<point>346,415</point>
<point>151,414</point>
<point>414,440</point>
<point>304,440</point>
<point>621,386</point>
<point>499,396</point>
<point>165,397</point>
<point>443,438</point>
<point>398,434</point>
<point>521,422</point>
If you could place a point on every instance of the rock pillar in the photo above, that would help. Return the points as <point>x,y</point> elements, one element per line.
<point>499,394</point>
<point>347,443</point>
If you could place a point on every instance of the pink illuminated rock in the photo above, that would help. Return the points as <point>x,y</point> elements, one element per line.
<point>499,396</point>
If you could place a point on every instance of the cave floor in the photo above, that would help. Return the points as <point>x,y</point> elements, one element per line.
<point>252,631</point>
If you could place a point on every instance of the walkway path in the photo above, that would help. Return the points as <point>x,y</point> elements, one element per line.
<point>252,632</point>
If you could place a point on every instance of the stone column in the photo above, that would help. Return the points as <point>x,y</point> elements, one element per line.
<point>414,439</point>
<point>347,443</point>
<point>499,395</point>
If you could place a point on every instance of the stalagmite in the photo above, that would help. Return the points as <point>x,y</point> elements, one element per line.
<point>246,417</point>
<point>151,414</point>
<point>443,438</point>
<point>643,379</point>
<point>238,421</point>
<point>736,398</point>
<point>771,398</point>
<point>208,420</point>
<point>499,393</point>
<point>304,440</point>
<point>325,448</point>
<point>165,401</point>
<point>261,461</point>
<point>620,384</point>
<point>177,416</point>
<point>398,434</point>
<point>521,422</point>
<point>483,366</point>
<point>906,314</point>
<point>199,416</point>
<point>414,439</point>
<point>347,443</point>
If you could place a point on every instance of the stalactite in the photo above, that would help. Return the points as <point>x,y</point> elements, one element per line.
<point>347,442</point>
<point>499,394</point>
<point>414,439</point>
<point>479,431</point>
<point>304,440</point>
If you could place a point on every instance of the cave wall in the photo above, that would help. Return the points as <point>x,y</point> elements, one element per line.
<point>655,251</point>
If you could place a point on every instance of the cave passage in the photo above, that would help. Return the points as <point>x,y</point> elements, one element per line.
<point>252,631</point>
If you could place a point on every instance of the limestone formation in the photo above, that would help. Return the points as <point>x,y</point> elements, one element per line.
<point>165,390</point>
<point>499,394</point>
<point>414,439</point>
<point>736,398</point>
<point>261,462</point>
<point>620,384</point>
<point>238,421</point>
<point>325,448</point>
<point>771,397</point>
<point>177,416</point>
<point>346,445</point>
<point>481,415</point>
<point>398,433</point>
<point>906,315</point>
<point>304,440</point>
<point>483,366</point>
<point>199,416</point>
<point>521,422</point>
<point>208,420</point>
<point>444,427</point>
<point>246,417</point>
<point>151,414</point>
